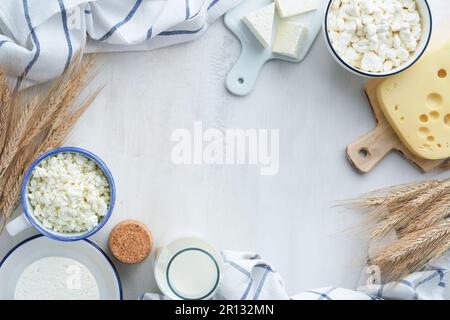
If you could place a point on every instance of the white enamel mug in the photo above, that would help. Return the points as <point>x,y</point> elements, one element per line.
<point>27,218</point>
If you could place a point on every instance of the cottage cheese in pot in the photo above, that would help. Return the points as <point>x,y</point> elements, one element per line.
<point>56,278</point>
<point>68,193</point>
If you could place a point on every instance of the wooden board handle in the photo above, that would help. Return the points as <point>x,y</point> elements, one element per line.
<point>369,150</point>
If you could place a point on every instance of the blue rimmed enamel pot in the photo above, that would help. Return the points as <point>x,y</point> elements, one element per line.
<point>27,219</point>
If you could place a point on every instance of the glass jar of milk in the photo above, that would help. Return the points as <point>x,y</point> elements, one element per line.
<point>188,268</point>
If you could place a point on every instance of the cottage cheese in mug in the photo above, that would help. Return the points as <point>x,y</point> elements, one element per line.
<point>68,193</point>
<point>374,35</point>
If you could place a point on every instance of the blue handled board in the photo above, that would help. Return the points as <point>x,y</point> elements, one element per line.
<point>242,77</point>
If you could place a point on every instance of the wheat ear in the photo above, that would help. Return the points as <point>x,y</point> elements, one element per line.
<point>56,136</point>
<point>412,252</point>
<point>5,109</point>
<point>59,97</point>
<point>437,211</point>
<point>389,198</point>
<point>401,216</point>
<point>21,117</point>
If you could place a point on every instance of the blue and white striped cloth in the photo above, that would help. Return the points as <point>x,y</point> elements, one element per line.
<point>246,276</point>
<point>39,38</point>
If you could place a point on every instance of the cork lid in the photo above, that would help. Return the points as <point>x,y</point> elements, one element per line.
<point>130,241</point>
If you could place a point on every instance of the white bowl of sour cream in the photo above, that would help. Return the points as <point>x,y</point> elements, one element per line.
<point>83,268</point>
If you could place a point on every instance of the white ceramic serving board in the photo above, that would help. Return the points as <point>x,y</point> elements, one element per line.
<point>242,77</point>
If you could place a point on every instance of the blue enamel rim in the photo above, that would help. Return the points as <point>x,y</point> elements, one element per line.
<point>371,74</point>
<point>104,169</point>
<point>17,246</point>
<point>202,251</point>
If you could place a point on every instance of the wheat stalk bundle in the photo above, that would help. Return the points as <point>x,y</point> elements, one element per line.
<point>31,124</point>
<point>419,213</point>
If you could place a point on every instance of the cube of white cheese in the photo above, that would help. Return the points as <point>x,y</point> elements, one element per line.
<point>289,8</point>
<point>290,39</point>
<point>260,23</point>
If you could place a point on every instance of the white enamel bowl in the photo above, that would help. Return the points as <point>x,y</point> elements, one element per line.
<point>426,19</point>
<point>38,247</point>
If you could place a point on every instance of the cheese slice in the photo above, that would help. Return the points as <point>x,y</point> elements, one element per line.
<point>416,102</point>
<point>260,23</point>
<point>290,39</point>
<point>289,8</point>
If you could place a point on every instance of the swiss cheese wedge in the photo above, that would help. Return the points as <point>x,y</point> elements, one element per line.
<point>416,103</point>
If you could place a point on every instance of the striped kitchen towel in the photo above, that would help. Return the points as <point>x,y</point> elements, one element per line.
<point>39,38</point>
<point>246,276</point>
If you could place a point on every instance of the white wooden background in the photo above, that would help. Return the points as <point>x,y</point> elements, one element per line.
<point>288,218</point>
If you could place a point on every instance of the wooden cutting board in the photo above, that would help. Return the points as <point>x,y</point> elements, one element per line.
<point>366,152</point>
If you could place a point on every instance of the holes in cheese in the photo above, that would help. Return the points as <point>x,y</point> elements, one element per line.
<point>442,73</point>
<point>260,23</point>
<point>424,131</point>
<point>434,100</point>
<point>447,120</point>
<point>416,103</point>
<point>434,115</point>
<point>423,118</point>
